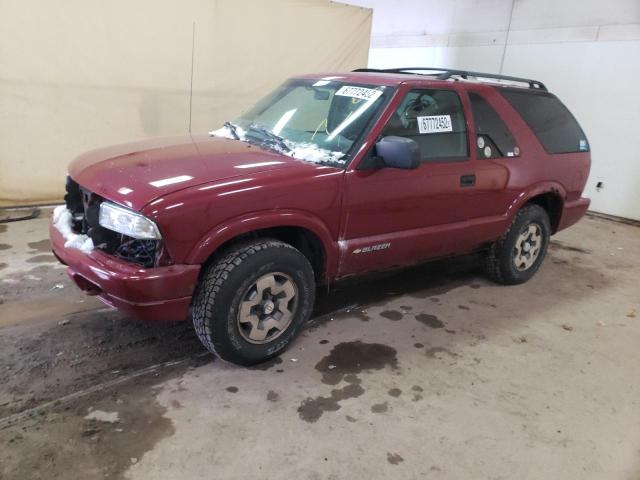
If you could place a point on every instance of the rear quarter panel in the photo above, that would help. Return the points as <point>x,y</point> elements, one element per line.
<point>535,171</point>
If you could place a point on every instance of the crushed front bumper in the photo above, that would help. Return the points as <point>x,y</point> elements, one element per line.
<point>159,294</point>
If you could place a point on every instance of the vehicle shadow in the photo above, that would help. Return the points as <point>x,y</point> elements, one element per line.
<point>421,281</point>
<point>92,347</point>
<point>569,275</point>
<point>68,354</point>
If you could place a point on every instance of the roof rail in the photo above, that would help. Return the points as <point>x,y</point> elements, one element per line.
<point>446,73</point>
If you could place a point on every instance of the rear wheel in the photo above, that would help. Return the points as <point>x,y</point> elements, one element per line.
<point>251,303</point>
<point>516,257</point>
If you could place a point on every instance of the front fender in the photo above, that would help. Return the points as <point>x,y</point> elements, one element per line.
<point>259,220</point>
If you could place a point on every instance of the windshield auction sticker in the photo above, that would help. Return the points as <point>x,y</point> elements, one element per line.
<point>435,124</point>
<point>359,92</point>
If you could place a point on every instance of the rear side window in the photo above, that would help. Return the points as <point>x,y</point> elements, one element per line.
<point>550,120</point>
<point>493,138</point>
<point>434,119</point>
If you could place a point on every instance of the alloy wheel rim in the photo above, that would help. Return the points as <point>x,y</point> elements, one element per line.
<point>527,247</point>
<point>267,308</point>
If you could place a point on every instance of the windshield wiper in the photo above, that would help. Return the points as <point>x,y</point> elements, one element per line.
<point>233,129</point>
<point>272,137</point>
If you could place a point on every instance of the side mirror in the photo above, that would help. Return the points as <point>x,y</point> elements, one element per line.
<point>398,152</point>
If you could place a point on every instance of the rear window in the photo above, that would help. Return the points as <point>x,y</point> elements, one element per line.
<point>494,139</point>
<point>550,120</point>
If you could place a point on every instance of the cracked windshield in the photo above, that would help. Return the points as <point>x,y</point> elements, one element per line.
<point>313,120</point>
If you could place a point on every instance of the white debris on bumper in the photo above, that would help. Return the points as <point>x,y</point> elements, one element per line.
<point>62,220</point>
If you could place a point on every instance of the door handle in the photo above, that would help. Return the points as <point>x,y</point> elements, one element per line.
<point>467,180</point>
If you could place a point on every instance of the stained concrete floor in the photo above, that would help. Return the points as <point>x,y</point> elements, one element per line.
<point>431,372</point>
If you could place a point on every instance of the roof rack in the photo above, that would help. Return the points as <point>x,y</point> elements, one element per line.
<point>446,73</point>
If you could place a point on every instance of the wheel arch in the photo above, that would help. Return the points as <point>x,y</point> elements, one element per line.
<point>549,195</point>
<point>552,203</point>
<point>301,230</point>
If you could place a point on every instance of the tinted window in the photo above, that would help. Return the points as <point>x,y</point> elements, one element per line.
<point>550,120</point>
<point>493,137</point>
<point>435,121</point>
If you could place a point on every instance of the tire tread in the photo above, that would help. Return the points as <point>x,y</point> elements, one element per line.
<point>212,282</point>
<point>492,258</point>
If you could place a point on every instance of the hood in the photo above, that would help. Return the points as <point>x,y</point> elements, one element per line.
<point>134,174</point>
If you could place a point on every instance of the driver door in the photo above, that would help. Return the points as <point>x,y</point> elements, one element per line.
<point>395,217</point>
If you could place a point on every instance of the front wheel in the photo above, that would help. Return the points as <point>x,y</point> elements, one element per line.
<point>516,257</point>
<point>251,303</point>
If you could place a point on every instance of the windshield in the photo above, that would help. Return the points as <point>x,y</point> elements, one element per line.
<point>313,120</point>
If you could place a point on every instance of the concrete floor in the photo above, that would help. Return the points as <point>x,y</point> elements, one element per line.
<point>433,372</point>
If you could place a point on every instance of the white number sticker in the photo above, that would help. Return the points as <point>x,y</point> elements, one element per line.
<point>435,124</point>
<point>359,92</point>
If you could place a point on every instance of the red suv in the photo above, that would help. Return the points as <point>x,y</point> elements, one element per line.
<point>328,176</point>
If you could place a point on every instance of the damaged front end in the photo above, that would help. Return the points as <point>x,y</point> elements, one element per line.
<point>84,208</point>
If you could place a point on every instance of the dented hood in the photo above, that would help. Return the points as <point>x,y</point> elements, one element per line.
<point>134,174</point>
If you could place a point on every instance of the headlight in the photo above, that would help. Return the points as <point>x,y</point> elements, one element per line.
<point>127,222</point>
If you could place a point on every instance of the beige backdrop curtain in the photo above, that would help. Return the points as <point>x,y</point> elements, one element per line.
<point>80,74</point>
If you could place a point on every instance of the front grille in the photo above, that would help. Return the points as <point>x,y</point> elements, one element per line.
<point>85,209</point>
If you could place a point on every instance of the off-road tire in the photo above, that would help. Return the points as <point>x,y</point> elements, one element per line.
<point>498,260</point>
<point>218,296</point>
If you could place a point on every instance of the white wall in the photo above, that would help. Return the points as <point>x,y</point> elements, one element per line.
<point>585,51</point>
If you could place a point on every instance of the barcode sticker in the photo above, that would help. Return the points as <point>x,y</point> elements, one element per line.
<point>435,124</point>
<point>359,92</point>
